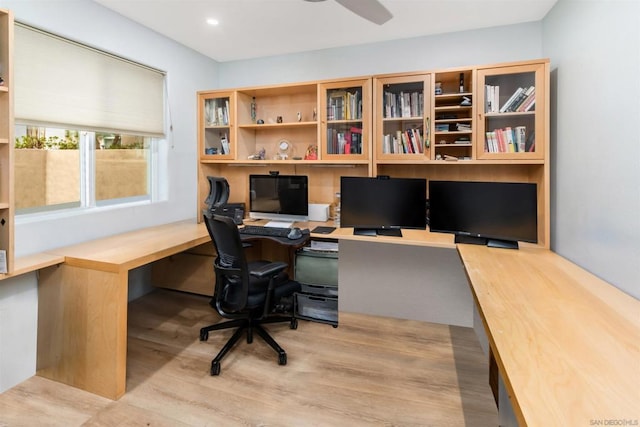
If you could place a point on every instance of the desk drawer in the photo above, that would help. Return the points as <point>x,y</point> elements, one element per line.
<point>318,308</point>
<point>320,290</point>
<point>317,268</point>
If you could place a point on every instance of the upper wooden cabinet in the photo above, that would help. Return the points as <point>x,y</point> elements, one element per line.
<point>216,120</point>
<point>433,124</point>
<point>402,108</point>
<point>512,121</point>
<point>345,108</point>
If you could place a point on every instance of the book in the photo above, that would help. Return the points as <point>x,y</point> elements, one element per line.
<point>530,143</point>
<point>520,135</point>
<point>224,143</point>
<point>492,99</point>
<point>531,98</point>
<point>520,99</point>
<point>507,104</point>
<point>509,143</point>
<point>356,140</point>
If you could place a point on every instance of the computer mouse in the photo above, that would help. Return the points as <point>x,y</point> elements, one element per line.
<point>294,234</point>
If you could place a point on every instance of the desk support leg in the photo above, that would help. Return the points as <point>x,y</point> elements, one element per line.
<point>82,328</point>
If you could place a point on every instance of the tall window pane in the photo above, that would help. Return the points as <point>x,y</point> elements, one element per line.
<point>46,167</point>
<point>122,166</point>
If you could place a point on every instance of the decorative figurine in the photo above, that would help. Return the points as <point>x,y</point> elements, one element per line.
<point>312,153</point>
<point>299,116</point>
<point>279,119</point>
<point>258,156</point>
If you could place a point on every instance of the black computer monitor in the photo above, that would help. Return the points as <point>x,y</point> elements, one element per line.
<point>492,213</point>
<point>382,205</point>
<point>279,197</point>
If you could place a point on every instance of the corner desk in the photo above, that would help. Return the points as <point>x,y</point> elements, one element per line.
<point>567,344</point>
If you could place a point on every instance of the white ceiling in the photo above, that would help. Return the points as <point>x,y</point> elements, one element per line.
<point>258,28</point>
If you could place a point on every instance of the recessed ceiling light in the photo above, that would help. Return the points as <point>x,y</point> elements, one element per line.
<point>212,21</point>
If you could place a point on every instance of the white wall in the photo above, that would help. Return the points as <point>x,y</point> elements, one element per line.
<point>187,72</point>
<point>487,46</point>
<point>594,49</point>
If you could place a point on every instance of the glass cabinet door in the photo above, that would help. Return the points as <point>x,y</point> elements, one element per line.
<point>402,125</point>
<point>216,117</point>
<point>511,123</point>
<point>345,123</point>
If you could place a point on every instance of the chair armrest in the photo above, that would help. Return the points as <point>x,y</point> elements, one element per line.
<point>269,269</point>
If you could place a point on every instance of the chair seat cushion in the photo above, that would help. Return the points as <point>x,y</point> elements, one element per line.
<point>258,286</point>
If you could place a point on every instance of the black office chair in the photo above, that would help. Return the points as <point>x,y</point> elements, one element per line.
<point>250,293</point>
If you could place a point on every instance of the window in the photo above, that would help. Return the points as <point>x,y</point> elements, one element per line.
<point>88,125</point>
<point>61,168</point>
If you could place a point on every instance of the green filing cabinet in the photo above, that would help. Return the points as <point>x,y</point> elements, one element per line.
<point>317,273</point>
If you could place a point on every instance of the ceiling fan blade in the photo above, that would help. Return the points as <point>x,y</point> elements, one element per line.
<point>371,10</point>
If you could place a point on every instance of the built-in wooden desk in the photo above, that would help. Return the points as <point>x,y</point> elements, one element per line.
<point>82,309</point>
<point>34,262</point>
<point>566,343</point>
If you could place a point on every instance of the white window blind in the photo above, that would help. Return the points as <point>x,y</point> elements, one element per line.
<point>63,83</point>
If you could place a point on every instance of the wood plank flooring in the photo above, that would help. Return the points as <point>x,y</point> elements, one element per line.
<point>370,371</point>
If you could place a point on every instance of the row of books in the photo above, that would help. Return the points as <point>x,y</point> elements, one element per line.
<point>508,140</point>
<point>403,104</point>
<point>344,105</point>
<point>522,99</point>
<point>216,112</point>
<point>410,141</point>
<point>349,142</point>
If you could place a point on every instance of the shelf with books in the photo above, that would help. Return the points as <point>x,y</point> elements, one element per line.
<point>345,108</point>
<point>402,123</point>
<point>215,130</point>
<point>511,124</point>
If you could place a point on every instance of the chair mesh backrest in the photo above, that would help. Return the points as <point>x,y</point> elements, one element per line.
<point>232,278</point>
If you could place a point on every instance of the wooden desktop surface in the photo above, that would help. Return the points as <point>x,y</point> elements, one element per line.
<point>123,252</point>
<point>567,343</point>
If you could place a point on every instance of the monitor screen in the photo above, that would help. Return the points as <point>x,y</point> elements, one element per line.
<point>382,205</point>
<point>495,213</point>
<point>279,197</point>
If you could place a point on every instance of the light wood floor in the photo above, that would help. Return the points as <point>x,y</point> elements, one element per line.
<point>369,371</point>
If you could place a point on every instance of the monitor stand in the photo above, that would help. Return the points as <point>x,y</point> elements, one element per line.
<point>492,243</point>
<point>504,244</point>
<point>393,232</point>
<point>471,240</point>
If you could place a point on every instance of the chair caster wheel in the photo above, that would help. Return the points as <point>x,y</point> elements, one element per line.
<point>204,335</point>
<point>334,326</point>
<point>215,368</point>
<point>282,359</point>
<point>293,324</point>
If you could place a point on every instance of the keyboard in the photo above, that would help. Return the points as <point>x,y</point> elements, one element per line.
<point>259,230</point>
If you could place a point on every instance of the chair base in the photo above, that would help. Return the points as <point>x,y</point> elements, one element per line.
<point>248,325</point>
